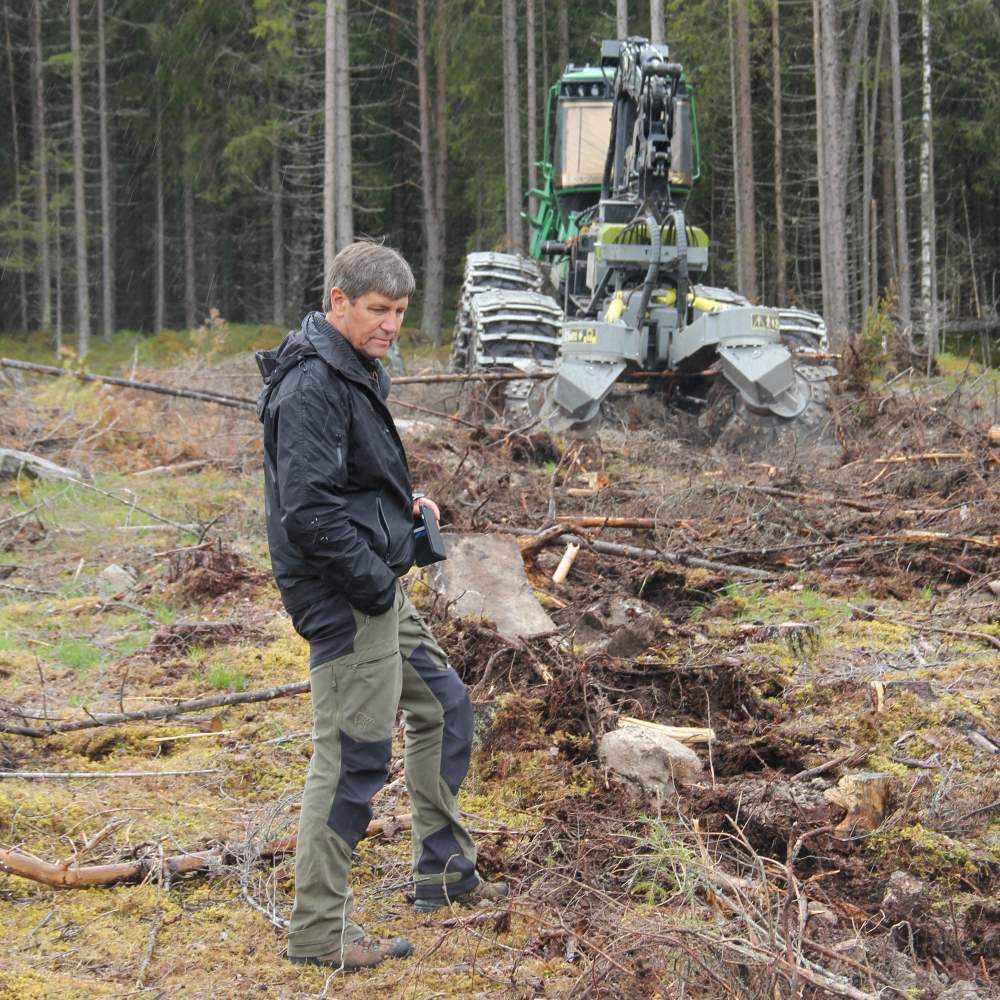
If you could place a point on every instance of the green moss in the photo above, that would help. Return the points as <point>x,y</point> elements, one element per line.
<point>923,852</point>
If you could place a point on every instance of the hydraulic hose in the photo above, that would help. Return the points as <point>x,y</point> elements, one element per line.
<point>653,225</point>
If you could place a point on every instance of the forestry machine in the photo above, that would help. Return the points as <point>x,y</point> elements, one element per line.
<point>610,237</point>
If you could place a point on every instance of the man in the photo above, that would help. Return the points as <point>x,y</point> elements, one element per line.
<point>340,512</point>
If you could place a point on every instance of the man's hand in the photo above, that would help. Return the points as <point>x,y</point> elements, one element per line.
<point>426,502</point>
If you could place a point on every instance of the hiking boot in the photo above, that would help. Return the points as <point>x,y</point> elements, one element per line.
<point>484,892</point>
<point>365,953</point>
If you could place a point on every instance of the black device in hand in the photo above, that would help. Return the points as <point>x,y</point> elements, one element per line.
<point>427,534</point>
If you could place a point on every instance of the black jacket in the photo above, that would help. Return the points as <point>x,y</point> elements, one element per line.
<point>337,495</point>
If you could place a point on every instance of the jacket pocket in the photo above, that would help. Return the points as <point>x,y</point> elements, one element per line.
<point>384,526</point>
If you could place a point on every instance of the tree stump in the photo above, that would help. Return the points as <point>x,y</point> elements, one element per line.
<point>865,798</point>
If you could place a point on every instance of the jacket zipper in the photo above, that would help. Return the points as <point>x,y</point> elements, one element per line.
<point>384,525</point>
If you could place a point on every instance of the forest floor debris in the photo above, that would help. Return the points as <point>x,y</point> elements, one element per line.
<point>864,645</point>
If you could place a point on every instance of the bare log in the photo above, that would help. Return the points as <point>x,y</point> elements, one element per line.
<point>70,775</point>
<point>164,390</point>
<point>683,734</point>
<point>606,522</point>
<point>65,876</point>
<point>566,563</point>
<point>160,712</point>
<point>647,555</point>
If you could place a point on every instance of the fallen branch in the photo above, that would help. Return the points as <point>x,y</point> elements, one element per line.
<point>65,876</point>
<point>918,627</point>
<point>566,563</point>
<point>932,537</point>
<point>161,712</point>
<point>683,734</point>
<point>68,775</point>
<point>437,413</point>
<point>930,456</point>
<point>31,510</point>
<point>606,522</point>
<point>633,552</point>
<point>851,759</point>
<point>387,825</point>
<point>132,505</point>
<point>126,383</point>
<point>160,470</point>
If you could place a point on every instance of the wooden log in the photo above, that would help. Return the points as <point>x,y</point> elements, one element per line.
<point>66,876</point>
<point>606,522</point>
<point>566,563</point>
<point>633,552</point>
<point>683,734</point>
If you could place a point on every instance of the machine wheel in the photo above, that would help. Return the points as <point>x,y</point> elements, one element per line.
<point>733,426</point>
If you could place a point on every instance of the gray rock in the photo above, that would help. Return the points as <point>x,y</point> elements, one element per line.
<point>22,463</point>
<point>904,895</point>
<point>483,577</point>
<point>962,990</point>
<point>114,579</point>
<point>650,758</point>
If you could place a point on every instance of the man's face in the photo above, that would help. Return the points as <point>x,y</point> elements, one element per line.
<point>371,323</point>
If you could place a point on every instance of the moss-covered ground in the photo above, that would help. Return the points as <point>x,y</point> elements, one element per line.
<point>851,645</point>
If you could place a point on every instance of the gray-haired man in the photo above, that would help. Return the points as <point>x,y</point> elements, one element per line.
<point>340,512</point>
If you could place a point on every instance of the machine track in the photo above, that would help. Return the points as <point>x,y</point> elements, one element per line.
<point>505,321</point>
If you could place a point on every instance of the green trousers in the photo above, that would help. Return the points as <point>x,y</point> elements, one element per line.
<point>389,662</point>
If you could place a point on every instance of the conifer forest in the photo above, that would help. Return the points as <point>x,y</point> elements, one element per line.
<point>168,157</point>
<point>701,369</point>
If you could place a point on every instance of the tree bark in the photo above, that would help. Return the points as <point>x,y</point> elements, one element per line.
<point>780,277</point>
<point>902,239</point>
<point>107,201</point>
<point>433,244</point>
<point>301,236</point>
<point>531,84</point>
<point>329,142</point>
<point>512,137</point>
<point>737,203</point>
<point>621,18</point>
<point>190,292</point>
<point>277,229</point>
<point>342,150</point>
<point>831,162</point>
<point>743,136</point>
<point>890,270</point>
<point>562,34</point>
<point>18,207</point>
<point>159,235</point>
<point>57,228</point>
<point>41,169</point>
<point>869,252</point>
<point>79,205</point>
<point>656,25</point>
<point>928,298</point>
